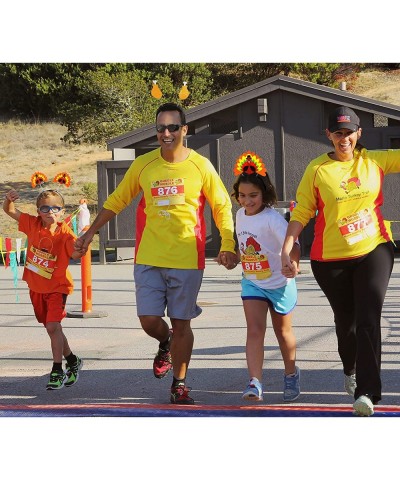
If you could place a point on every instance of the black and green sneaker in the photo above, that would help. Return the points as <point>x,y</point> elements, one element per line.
<point>57,380</point>
<point>72,372</point>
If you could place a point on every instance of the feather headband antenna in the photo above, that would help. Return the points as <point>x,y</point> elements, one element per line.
<point>39,179</point>
<point>157,93</point>
<point>249,163</point>
<point>63,178</point>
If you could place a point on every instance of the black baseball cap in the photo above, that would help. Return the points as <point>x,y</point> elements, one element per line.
<point>343,117</point>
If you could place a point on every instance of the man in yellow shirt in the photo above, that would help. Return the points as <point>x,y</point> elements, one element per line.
<point>175,183</point>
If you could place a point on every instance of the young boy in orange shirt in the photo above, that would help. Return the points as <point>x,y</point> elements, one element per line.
<point>50,247</point>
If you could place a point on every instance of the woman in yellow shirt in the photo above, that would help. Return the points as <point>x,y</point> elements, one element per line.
<point>352,254</point>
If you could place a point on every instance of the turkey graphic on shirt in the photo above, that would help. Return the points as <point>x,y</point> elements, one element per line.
<point>253,263</point>
<point>351,184</point>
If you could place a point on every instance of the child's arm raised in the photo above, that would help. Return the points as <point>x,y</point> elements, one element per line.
<point>9,205</point>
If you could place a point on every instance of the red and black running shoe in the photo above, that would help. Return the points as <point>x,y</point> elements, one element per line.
<point>180,395</point>
<point>162,363</point>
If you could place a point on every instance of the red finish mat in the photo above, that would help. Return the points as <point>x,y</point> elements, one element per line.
<point>147,410</point>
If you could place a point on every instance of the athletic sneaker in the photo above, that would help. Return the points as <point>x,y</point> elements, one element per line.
<point>363,406</point>
<point>72,372</point>
<point>162,363</point>
<point>350,384</point>
<point>57,380</point>
<point>253,391</point>
<point>291,388</point>
<point>179,395</point>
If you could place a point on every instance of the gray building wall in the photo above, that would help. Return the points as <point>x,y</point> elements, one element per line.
<point>287,137</point>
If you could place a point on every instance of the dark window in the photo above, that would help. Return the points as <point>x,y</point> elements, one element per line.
<point>395,142</point>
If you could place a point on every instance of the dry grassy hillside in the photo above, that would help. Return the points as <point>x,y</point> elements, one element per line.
<point>383,86</point>
<point>25,149</point>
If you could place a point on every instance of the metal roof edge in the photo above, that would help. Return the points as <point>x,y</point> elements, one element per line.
<point>263,87</point>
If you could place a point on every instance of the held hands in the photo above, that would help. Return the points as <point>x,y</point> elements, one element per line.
<point>289,267</point>
<point>82,243</point>
<point>228,259</point>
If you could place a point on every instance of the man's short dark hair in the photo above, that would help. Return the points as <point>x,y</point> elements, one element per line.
<point>170,107</point>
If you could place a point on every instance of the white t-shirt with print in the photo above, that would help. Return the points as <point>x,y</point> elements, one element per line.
<point>260,239</point>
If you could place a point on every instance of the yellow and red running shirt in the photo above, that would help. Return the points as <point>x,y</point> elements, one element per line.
<point>170,225</point>
<point>347,197</point>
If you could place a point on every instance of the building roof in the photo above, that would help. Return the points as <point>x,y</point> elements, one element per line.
<point>258,90</point>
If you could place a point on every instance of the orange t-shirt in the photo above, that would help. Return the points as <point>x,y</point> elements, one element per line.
<point>48,256</point>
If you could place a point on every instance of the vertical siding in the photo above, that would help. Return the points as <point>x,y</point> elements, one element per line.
<point>292,135</point>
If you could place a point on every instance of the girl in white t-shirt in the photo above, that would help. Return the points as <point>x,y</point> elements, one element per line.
<point>260,232</point>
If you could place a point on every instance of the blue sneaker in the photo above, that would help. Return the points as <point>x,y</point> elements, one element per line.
<point>254,391</point>
<point>291,389</point>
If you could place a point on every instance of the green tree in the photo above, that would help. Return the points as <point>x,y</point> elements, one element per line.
<point>228,77</point>
<point>34,90</point>
<point>99,101</point>
<point>320,73</point>
<point>170,78</point>
<point>116,98</point>
<point>110,104</point>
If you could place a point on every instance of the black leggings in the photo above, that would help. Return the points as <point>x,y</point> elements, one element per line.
<point>356,291</point>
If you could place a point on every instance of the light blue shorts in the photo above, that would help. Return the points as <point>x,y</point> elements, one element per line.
<point>282,300</point>
<point>174,289</point>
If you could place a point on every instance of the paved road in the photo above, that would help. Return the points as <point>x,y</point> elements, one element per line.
<point>117,371</point>
<point>118,354</point>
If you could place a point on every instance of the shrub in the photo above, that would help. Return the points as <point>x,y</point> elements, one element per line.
<point>89,191</point>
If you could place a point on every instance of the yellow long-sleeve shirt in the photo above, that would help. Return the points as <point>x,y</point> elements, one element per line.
<point>348,196</point>
<point>170,224</point>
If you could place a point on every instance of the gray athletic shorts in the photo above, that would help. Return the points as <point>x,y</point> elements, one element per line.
<point>173,288</point>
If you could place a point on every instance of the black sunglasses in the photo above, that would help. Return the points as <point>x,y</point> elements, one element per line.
<point>173,127</point>
<point>47,208</point>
